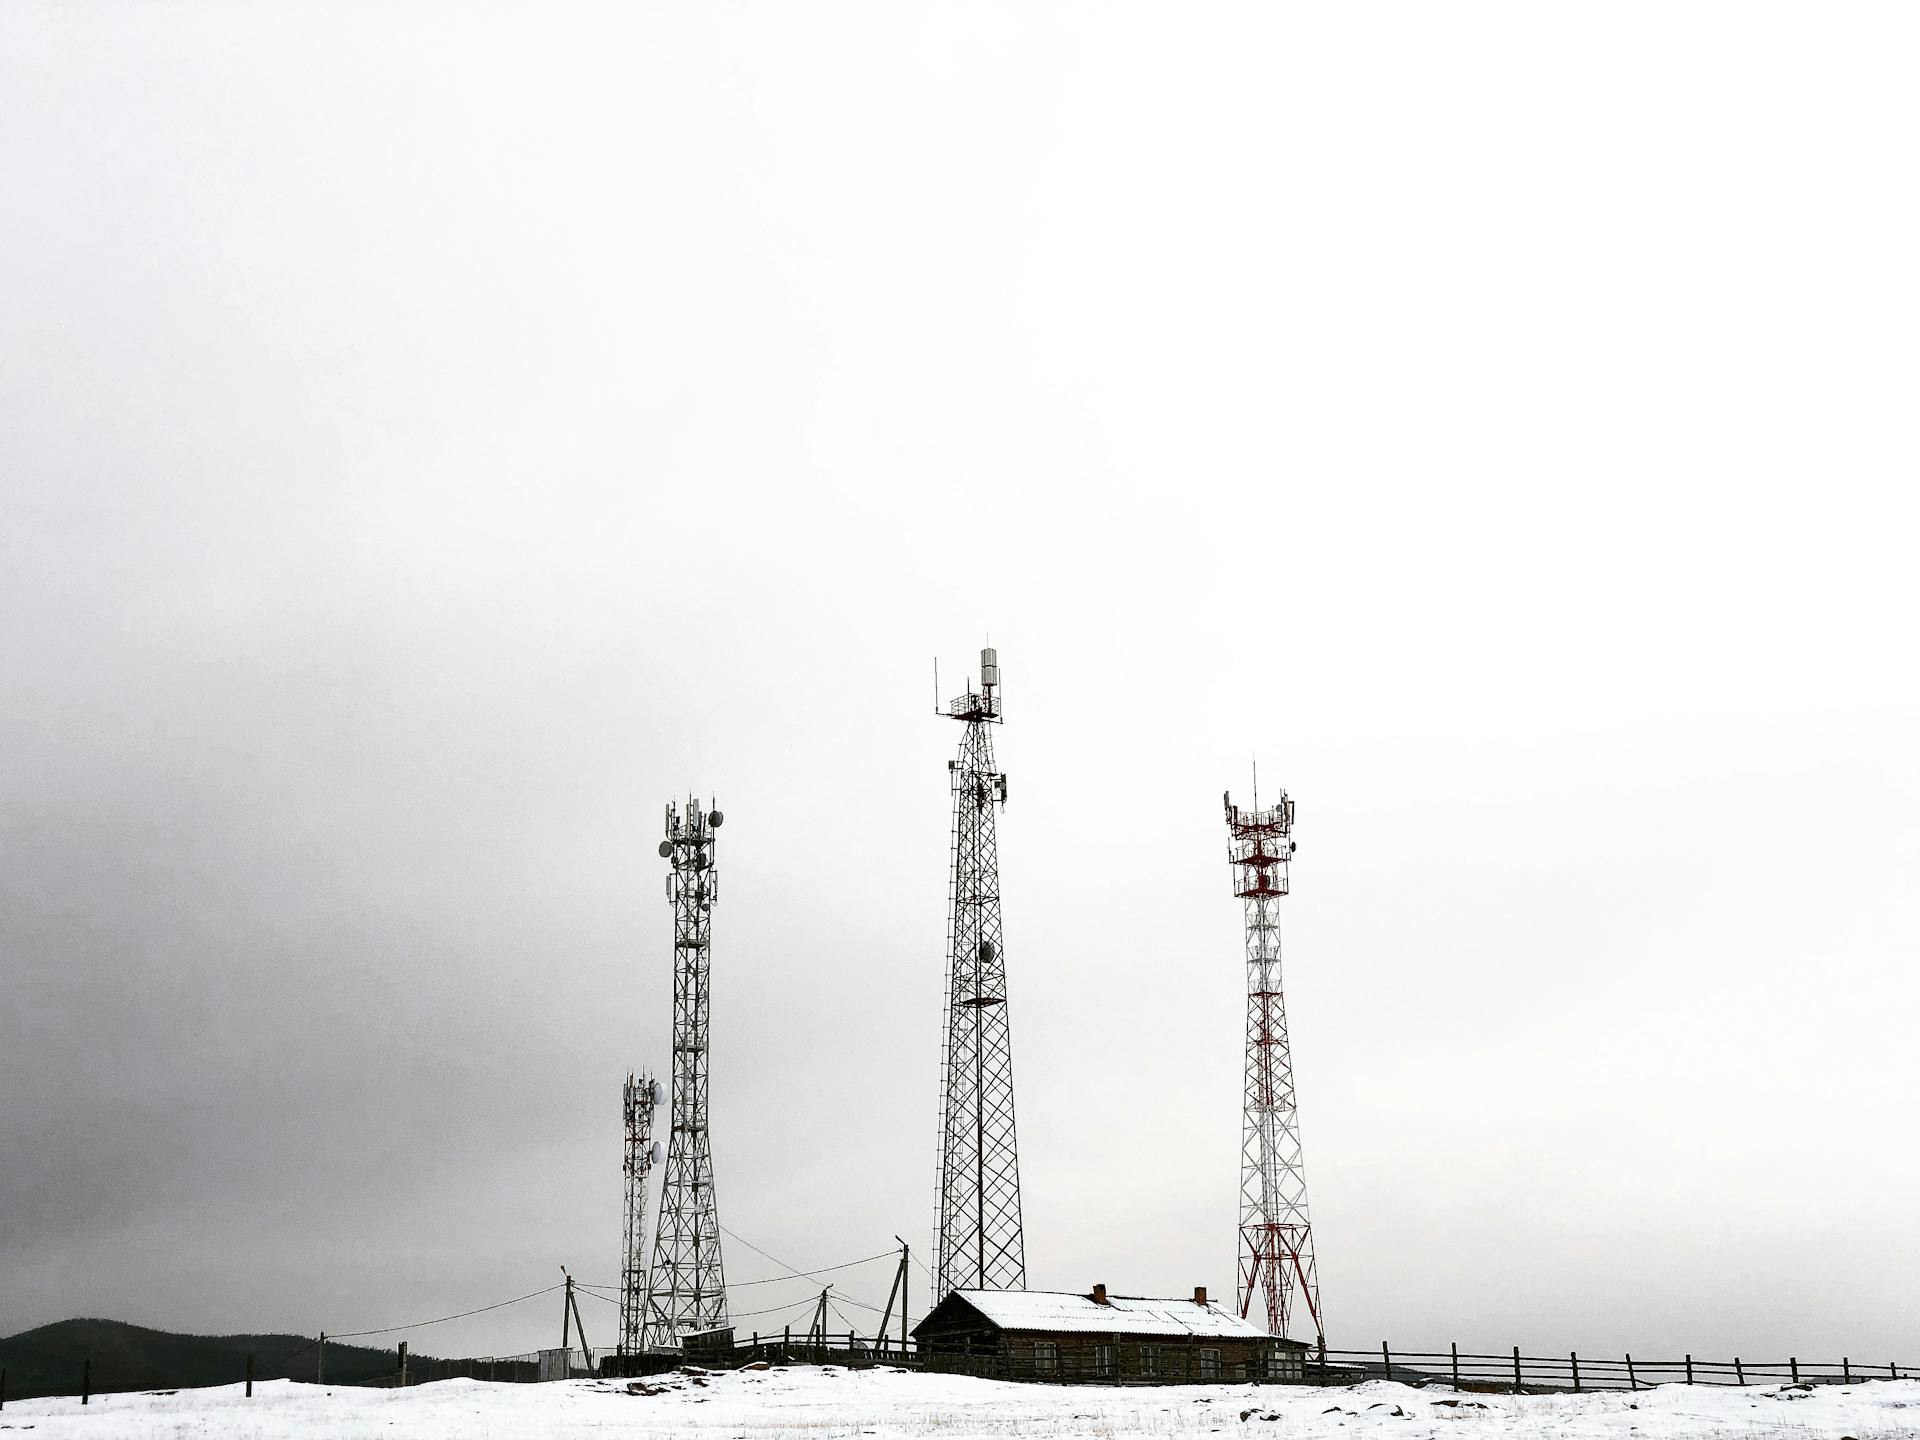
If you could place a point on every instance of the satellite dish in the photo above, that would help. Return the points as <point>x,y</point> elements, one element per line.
<point>666,849</point>
<point>653,1155</point>
<point>715,819</point>
<point>656,1092</point>
<point>986,949</point>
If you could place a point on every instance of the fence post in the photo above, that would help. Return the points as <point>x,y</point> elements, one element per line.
<point>1846,1370</point>
<point>86,1380</point>
<point>1576,1370</point>
<point>1689,1369</point>
<point>1793,1361</point>
<point>3,1387</point>
<point>1386,1360</point>
<point>1739,1374</point>
<point>1454,1346</point>
<point>1893,1370</point>
<point>1518,1389</point>
<point>249,1377</point>
<point>320,1361</point>
<point>1633,1382</point>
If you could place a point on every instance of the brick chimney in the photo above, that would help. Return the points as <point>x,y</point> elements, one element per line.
<point>1199,1294</point>
<point>1099,1294</point>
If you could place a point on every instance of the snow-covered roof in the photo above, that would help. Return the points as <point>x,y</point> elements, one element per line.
<point>1122,1314</point>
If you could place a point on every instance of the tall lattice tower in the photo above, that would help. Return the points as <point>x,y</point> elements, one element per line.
<point>980,1245</point>
<point>639,1100</point>
<point>1276,1238</point>
<point>687,1287</point>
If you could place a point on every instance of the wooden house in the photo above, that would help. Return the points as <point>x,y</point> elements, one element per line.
<point>1049,1335</point>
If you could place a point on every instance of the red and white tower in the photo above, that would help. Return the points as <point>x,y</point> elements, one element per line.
<point>1276,1238</point>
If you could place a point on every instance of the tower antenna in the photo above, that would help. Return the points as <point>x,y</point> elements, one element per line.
<point>979,1243</point>
<point>687,1286</point>
<point>640,1098</point>
<point>1276,1261</point>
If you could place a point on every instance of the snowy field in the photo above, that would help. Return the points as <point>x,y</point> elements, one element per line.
<point>807,1404</point>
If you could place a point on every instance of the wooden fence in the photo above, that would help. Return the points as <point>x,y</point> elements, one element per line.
<point>1515,1373</point>
<point>1511,1372</point>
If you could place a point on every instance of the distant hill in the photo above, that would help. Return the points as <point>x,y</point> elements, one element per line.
<point>47,1360</point>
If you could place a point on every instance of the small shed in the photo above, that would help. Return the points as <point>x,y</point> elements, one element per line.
<point>709,1347</point>
<point>1054,1335</point>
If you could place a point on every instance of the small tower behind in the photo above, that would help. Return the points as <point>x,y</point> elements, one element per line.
<point>640,1098</point>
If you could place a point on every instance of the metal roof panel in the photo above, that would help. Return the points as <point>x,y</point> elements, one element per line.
<point>1122,1314</point>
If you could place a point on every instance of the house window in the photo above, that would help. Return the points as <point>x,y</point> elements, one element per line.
<point>1149,1360</point>
<point>1103,1360</point>
<point>1284,1364</point>
<point>1209,1363</point>
<point>1046,1357</point>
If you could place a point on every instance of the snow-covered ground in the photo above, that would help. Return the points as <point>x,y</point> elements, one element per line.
<point>808,1404</point>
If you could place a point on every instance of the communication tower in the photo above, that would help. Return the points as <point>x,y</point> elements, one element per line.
<point>980,1245</point>
<point>641,1097</point>
<point>1276,1238</point>
<point>687,1287</point>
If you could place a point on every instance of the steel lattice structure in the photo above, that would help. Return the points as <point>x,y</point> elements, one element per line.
<point>979,1241</point>
<point>639,1099</point>
<point>1276,1237</point>
<point>687,1286</point>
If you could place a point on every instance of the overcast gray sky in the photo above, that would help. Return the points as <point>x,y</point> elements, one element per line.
<point>434,436</point>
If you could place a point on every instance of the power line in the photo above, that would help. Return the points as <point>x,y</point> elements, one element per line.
<point>772,1280</point>
<point>742,1315</point>
<point>808,1274</point>
<point>775,1310</point>
<point>841,1313</point>
<point>593,1290</point>
<point>422,1324</point>
<point>288,1356</point>
<point>823,1270</point>
<point>775,1279</point>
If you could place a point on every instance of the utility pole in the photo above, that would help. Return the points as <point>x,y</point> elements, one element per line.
<point>573,1312</point>
<point>817,1333</point>
<point>898,1290</point>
